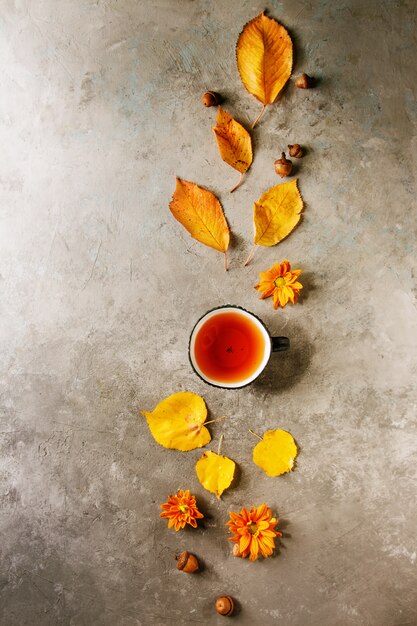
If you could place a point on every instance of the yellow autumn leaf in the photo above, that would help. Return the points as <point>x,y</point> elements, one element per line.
<point>276,452</point>
<point>276,214</point>
<point>264,54</point>
<point>201,213</point>
<point>215,472</point>
<point>234,141</point>
<point>177,422</point>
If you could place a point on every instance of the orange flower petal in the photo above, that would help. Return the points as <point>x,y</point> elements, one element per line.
<point>245,515</point>
<point>244,542</point>
<point>290,294</point>
<point>267,293</point>
<point>262,526</point>
<point>267,276</point>
<point>260,512</point>
<point>283,298</point>
<point>285,267</point>
<point>265,548</point>
<point>254,549</point>
<point>292,277</point>
<point>268,541</point>
<point>264,285</point>
<point>274,270</point>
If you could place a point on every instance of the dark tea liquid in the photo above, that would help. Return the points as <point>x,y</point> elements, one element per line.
<point>229,347</point>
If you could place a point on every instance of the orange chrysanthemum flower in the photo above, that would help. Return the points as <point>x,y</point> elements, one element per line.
<point>254,531</point>
<point>280,283</point>
<point>181,509</point>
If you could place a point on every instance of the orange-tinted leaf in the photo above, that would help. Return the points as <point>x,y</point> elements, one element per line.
<point>201,213</point>
<point>264,58</point>
<point>277,213</point>
<point>234,141</point>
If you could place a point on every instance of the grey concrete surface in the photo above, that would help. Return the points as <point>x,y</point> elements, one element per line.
<point>100,109</point>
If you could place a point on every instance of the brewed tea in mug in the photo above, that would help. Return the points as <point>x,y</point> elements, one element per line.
<point>230,347</point>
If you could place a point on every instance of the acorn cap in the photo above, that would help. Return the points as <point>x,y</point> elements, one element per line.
<point>295,150</point>
<point>225,605</point>
<point>304,81</point>
<point>210,99</point>
<point>187,562</point>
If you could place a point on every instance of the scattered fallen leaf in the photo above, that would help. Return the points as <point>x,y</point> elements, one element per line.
<point>178,422</point>
<point>201,213</point>
<point>215,472</point>
<point>234,141</point>
<point>276,452</point>
<point>264,59</point>
<point>276,214</point>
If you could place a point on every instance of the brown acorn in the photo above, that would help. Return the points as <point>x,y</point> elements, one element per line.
<point>295,150</point>
<point>283,166</point>
<point>304,81</point>
<point>225,605</point>
<point>210,99</point>
<point>187,562</point>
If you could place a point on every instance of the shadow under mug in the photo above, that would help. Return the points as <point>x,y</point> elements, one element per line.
<point>209,337</point>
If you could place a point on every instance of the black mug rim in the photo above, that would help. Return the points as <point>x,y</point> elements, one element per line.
<point>218,308</point>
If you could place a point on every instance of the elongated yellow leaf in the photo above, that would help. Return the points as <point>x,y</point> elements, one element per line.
<point>177,422</point>
<point>201,213</point>
<point>264,58</point>
<point>276,452</point>
<point>215,472</point>
<point>277,213</point>
<point>234,141</point>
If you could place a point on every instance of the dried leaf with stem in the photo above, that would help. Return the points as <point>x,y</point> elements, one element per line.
<point>276,213</point>
<point>179,422</point>
<point>275,453</point>
<point>201,213</point>
<point>264,54</point>
<point>214,471</point>
<point>234,142</point>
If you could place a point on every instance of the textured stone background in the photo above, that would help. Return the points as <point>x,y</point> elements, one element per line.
<point>100,108</point>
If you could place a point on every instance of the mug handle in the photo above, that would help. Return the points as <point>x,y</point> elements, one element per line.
<point>279,344</point>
